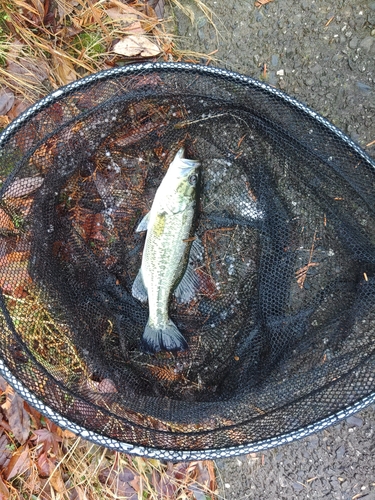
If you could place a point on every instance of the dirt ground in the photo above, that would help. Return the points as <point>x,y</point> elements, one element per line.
<point>322,53</point>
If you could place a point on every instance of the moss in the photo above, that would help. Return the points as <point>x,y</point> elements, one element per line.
<point>90,42</point>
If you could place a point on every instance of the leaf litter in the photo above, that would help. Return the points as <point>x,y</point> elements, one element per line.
<point>51,461</point>
<point>44,45</point>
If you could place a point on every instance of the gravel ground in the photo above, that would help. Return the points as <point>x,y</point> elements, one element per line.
<point>322,53</point>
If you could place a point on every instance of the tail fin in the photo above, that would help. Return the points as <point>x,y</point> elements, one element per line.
<point>168,338</point>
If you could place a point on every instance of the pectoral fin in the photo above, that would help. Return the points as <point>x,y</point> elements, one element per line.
<point>139,290</point>
<point>187,288</point>
<point>143,225</point>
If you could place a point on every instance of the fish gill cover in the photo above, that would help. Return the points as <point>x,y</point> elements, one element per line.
<point>280,328</point>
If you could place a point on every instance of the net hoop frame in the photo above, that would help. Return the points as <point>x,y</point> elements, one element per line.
<point>151,452</point>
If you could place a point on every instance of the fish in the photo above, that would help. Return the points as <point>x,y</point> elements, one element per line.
<point>164,268</point>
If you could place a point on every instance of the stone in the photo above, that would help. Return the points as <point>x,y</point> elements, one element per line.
<point>297,486</point>
<point>367,42</point>
<point>340,452</point>
<point>353,420</point>
<point>274,60</point>
<point>353,44</point>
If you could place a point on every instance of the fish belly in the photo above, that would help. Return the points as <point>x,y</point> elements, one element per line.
<point>164,261</point>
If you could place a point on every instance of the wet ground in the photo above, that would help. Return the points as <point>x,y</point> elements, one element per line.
<point>322,53</point>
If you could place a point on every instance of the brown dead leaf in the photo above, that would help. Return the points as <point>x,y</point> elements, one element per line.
<point>259,3</point>
<point>128,17</point>
<point>23,187</point>
<point>57,481</point>
<point>3,384</point>
<point>107,385</point>
<point>164,484</point>
<point>50,440</point>
<point>6,101</point>
<point>123,13</point>
<point>6,223</point>
<point>44,465</point>
<point>13,275</point>
<point>17,416</point>
<point>14,257</point>
<point>4,121</point>
<point>64,9</point>
<point>136,45</point>
<point>203,476</point>
<point>64,69</point>
<point>5,451</point>
<point>66,434</point>
<point>77,493</point>
<point>158,6</point>
<point>35,416</point>
<point>4,492</point>
<point>29,71</point>
<point>19,463</point>
<point>119,482</point>
<point>18,108</point>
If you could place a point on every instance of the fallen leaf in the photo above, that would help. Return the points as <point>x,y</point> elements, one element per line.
<point>29,71</point>
<point>57,481</point>
<point>17,416</point>
<point>203,476</point>
<point>64,9</point>
<point>44,465</point>
<point>119,482</point>
<point>69,32</point>
<point>90,226</point>
<point>158,6</point>
<point>14,257</point>
<point>3,384</point>
<point>259,3</point>
<point>19,463</point>
<point>19,107</point>
<point>107,385</point>
<point>164,484</point>
<point>50,440</point>
<point>46,490</point>
<point>14,276</point>
<point>136,45</point>
<point>134,29</point>
<point>6,223</point>
<point>23,187</point>
<point>6,101</point>
<point>198,493</point>
<point>34,415</point>
<point>124,13</point>
<point>4,492</point>
<point>4,121</point>
<point>65,433</point>
<point>5,451</point>
<point>64,69</point>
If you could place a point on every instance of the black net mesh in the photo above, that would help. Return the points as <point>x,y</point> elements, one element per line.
<point>281,328</point>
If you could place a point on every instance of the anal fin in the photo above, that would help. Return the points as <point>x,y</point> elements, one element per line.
<point>139,290</point>
<point>143,225</point>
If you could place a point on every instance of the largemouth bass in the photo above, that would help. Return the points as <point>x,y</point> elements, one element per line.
<point>166,251</point>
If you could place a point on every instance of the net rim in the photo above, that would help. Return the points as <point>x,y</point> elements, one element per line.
<point>174,454</point>
<point>160,453</point>
<point>175,67</point>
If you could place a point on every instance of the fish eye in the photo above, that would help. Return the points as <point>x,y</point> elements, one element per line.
<point>193,179</point>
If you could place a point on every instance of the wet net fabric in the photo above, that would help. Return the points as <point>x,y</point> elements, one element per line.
<point>281,327</point>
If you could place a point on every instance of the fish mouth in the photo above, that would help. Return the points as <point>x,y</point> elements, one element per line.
<point>186,165</point>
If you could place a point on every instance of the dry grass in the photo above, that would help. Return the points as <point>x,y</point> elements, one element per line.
<point>74,469</point>
<point>44,47</point>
